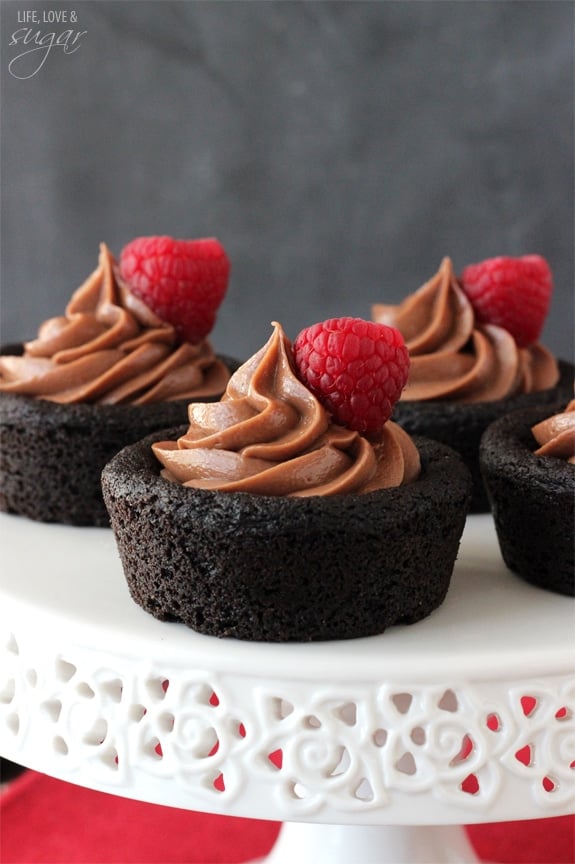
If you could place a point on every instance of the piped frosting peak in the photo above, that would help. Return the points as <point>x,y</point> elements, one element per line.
<point>453,357</point>
<point>110,348</point>
<point>270,435</point>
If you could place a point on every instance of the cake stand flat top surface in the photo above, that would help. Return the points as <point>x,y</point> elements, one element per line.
<point>66,585</point>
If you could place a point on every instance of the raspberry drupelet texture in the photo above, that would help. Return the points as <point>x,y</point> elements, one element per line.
<point>513,293</point>
<point>182,281</point>
<point>357,369</point>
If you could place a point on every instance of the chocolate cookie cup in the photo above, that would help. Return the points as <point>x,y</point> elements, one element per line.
<point>467,369</point>
<point>533,501</point>
<point>461,426</point>
<point>278,569</point>
<point>52,455</point>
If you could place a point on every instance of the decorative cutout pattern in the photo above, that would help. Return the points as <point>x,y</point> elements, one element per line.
<point>351,749</point>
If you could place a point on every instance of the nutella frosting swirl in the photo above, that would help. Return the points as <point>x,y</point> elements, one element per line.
<point>453,357</point>
<point>109,348</point>
<point>556,435</point>
<point>269,435</point>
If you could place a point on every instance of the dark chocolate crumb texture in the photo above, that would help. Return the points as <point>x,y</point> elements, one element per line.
<point>461,426</point>
<point>533,501</point>
<point>104,374</point>
<point>274,518</point>
<point>269,568</point>
<point>52,455</point>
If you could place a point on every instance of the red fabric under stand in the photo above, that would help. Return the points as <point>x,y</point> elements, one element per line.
<point>47,821</point>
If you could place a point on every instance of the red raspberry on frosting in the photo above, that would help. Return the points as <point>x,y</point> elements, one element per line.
<point>357,369</point>
<point>182,281</point>
<point>513,293</point>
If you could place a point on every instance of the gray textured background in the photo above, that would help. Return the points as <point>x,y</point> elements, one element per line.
<point>338,150</point>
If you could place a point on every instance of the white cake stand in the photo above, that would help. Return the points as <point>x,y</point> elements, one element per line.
<point>465,717</point>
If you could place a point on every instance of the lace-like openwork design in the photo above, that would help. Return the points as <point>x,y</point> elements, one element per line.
<point>307,749</point>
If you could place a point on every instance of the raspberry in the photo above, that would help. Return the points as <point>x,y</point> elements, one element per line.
<point>182,281</point>
<point>513,293</point>
<point>356,368</point>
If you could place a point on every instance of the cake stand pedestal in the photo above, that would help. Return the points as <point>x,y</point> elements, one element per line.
<point>371,751</point>
<point>308,843</point>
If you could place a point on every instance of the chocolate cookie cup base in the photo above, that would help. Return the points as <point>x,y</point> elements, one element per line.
<point>287,569</point>
<point>52,455</point>
<point>533,502</point>
<point>461,426</point>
